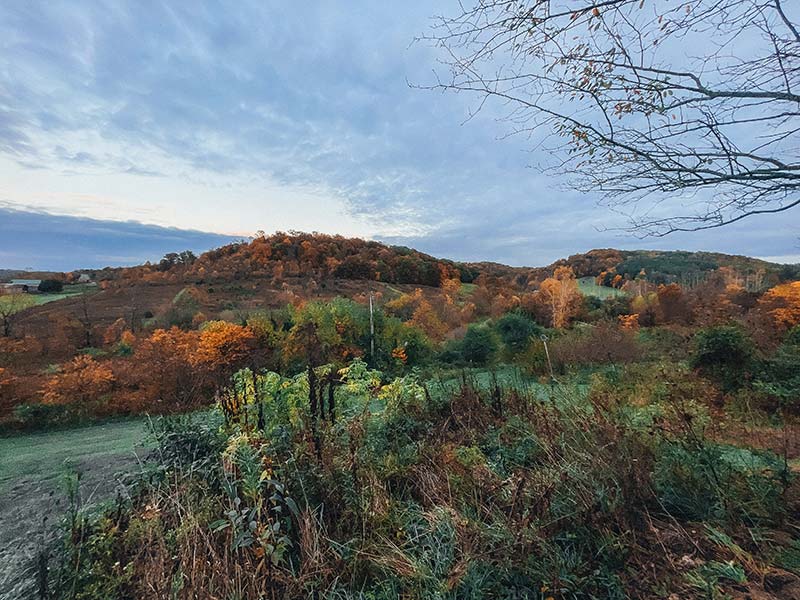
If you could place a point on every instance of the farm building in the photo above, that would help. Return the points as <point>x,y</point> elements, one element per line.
<point>28,286</point>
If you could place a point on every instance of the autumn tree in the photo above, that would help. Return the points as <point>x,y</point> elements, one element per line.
<point>560,297</point>
<point>782,304</point>
<point>222,348</point>
<point>81,381</point>
<point>163,369</point>
<point>629,112</point>
<point>673,306</point>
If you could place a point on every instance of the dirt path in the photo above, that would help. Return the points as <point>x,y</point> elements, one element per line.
<point>32,498</point>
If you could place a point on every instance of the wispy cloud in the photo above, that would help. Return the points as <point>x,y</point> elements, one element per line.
<point>270,115</point>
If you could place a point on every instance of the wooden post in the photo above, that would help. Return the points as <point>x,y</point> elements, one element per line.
<point>371,331</point>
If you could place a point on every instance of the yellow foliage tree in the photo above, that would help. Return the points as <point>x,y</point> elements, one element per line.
<point>782,303</point>
<point>560,296</point>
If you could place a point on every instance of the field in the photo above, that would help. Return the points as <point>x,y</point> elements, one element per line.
<point>32,496</point>
<point>69,291</point>
<point>588,287</point>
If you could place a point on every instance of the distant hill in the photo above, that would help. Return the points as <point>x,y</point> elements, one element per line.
<point>678,266</point>
<point>323,258</point>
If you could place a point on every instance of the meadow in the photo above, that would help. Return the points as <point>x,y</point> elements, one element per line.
<point>470,483</point>
<point>34,474</point>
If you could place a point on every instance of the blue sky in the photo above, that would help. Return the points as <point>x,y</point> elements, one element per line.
<point>230,118</point>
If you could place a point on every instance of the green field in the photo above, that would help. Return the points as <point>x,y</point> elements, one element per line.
<point>32,498</point>
<point>588,287</point>
<point>43,457</point>
<point>68,292</point>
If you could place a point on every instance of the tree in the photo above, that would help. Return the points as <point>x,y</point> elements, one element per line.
<point>631,112</point>
<point>222,349</point>
<point>81,381</point>
<point>516,330</point>
<point>672,304</point>
<point>11,304</point>
<point>50,286</point>
<point>479,345</point>
<point>560,296</point>
<point>782,303</point>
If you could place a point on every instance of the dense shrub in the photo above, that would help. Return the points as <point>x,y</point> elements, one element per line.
<point>604,342</point>
<point>42,416</point>
<point>50,286</point>
<point>779,375</point>
<point>516,330</point>
<point>724,354</point>
<point>479,345</point>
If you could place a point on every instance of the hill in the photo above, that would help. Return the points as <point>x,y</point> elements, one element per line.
<point>677,266</point>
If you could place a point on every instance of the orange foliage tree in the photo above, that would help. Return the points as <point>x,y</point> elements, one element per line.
<point>163,372</point>
<point>782,303</point>
<point>83,380</point>
<point>222,348</point>
<point>560,297</point>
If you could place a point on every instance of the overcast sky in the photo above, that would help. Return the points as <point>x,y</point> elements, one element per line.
<point>228,118</point>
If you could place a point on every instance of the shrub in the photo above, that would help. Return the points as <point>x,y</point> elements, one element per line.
<point>41,416</point>
<point>779,375</point>
<point>479,345</point>
<point>723,354</point>
<point>50,286</point>
<point>515,330</point>
<point>596,344</point>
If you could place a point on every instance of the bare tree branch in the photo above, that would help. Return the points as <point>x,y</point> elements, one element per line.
<point>619,89</point>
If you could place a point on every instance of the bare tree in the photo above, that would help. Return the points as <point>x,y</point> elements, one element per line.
<point>683,114</point>
<point>86,320</point>
<point>11,304</point>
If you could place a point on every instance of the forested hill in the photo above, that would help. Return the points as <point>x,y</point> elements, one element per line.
<point>321,258</point>
<point>668,266</point>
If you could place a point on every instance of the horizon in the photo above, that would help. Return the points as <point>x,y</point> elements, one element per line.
<point>199,242</point>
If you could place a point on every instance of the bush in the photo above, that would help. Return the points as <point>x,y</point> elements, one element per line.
<point>779,375</point>
<point>724,354</point>
<point>41,416</point>
<point>515,330</point>
<point>50,286</point>
<point>603,343</point>
<point>479,345</point>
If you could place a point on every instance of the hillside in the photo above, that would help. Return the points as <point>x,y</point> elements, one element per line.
<point>271,271</point>
<point>675,266</point>
<point>511,416</point>
<point>323,259</point>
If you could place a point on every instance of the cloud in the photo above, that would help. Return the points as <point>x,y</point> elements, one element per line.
<point>41,241</point>
<point>277,116</point>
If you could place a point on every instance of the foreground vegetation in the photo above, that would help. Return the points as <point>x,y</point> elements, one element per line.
<point>346,484</point>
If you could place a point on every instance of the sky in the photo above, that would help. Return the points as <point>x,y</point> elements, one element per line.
<point>121,123</point>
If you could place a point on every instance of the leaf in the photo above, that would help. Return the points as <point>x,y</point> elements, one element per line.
<point>292,507</point>
<point>219,525</point>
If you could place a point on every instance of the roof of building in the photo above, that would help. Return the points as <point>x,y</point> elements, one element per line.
<point>28,282</point>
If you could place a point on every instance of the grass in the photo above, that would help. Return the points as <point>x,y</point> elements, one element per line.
<point>43,457</point>
<point>32,495</point>
<point>588,287</point>
<point>68,292</point>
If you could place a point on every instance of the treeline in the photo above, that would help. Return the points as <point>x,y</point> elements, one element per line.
<point>674,266</point>
<point>301,255</point>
